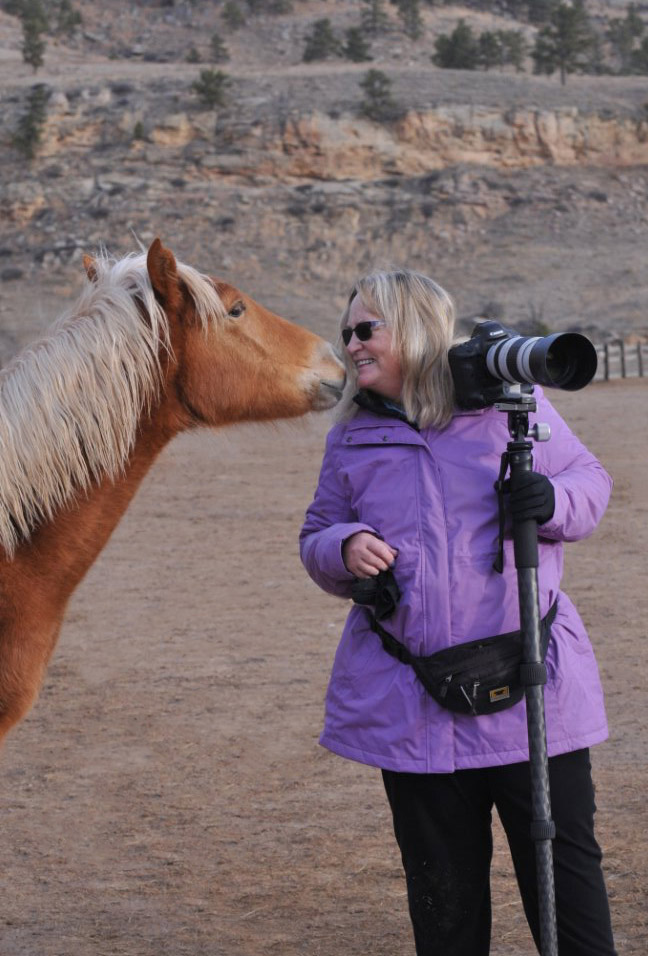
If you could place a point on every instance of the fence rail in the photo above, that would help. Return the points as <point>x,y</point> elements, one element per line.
<point>620,360</point>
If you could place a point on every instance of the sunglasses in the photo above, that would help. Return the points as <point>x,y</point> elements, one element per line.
<point>363,330</point>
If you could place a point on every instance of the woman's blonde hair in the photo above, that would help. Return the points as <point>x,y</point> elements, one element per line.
<point>421,316</point>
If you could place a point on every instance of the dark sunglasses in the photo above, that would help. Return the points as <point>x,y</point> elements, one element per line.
<point>363,330</point>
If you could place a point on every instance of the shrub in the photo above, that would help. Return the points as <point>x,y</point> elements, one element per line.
<point>211,87</point>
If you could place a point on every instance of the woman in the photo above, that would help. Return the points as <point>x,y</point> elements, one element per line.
<point>407,484</point>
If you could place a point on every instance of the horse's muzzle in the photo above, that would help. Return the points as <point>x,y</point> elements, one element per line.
<point>328,394</point>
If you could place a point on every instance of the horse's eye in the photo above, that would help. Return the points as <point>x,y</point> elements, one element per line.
<point>237,310</point>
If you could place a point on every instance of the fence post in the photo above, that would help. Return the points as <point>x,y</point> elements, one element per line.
<point>606,362</point>
<point>623,358</point>
<point>640,360</point>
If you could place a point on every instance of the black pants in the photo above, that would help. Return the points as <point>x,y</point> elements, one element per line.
<point>443,827</point>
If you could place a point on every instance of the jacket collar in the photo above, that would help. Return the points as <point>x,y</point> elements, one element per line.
<point>386,408</point>
<point>379,405</point>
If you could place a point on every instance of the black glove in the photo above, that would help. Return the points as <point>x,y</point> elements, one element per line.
<point>531,495</point>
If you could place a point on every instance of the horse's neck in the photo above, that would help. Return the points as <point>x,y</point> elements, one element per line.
<point>61,551</point>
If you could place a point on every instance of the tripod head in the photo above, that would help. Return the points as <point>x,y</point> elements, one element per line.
<point>518,408</point>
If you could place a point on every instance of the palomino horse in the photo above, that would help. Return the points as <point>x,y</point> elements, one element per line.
<point>151,348</point>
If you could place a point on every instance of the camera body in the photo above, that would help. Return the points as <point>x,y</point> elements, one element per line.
<point>497,362</point>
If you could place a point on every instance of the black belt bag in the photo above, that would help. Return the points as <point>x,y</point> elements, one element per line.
<point>479,677</point>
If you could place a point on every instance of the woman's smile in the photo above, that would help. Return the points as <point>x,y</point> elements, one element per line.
<point>377,364</point>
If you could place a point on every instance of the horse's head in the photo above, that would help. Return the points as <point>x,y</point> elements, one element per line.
<point>241,362</point>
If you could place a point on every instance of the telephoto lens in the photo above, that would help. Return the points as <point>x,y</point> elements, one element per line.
<point>564,360</point>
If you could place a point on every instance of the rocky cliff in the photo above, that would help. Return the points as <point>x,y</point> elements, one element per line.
<point>514,192</point>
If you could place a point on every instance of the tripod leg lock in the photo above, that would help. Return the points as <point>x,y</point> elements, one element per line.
<point>533,673</point>
<point>543,830</point>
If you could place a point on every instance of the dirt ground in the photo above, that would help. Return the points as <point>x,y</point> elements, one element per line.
<point>167,794</point>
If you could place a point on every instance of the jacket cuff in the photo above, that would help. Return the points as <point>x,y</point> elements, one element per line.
<point>553,528</point>
<point>330,544</point>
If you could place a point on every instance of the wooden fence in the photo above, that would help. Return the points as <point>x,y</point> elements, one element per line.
<point>619,360</point>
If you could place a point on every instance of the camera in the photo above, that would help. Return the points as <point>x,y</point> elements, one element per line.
<point>497,362</point>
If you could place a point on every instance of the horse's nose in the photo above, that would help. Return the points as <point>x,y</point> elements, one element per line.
<point>328,394</point>
<point>332,377</point>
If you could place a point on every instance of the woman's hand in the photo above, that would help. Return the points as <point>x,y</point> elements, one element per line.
<point>365,555</point>
<point>531,495</point>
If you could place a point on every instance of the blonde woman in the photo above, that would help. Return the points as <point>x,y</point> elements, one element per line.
<point>407,484</point>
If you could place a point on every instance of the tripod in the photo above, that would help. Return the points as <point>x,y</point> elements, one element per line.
<point>533,673</point>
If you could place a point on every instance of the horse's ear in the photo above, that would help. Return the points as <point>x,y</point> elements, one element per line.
<point>90,267</point>
<point>162,271</point>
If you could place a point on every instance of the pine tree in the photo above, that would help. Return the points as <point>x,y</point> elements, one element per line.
<point>378,103</point>
<point>219,52</point>
<point>640,57</point>
<point>459,50</point>
<point>34,10</point>
<point>540,11</point>
<point>489,49</point>
<point>622,34</point>
<point>233,15</point>
<point>356,47</point>
<point>211,87</point>
<point>409,12</point>
<point>29,131</point>
<point>514,48</point>
<point>374,18</point>
<point>33,44</point>
<point>321,42</point>
<point>67,18</point>
<point>563,42</point>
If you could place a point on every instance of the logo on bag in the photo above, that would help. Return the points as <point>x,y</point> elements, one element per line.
<point>499,693</point>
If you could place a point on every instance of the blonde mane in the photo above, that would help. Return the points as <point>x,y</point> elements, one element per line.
<point>70,404</point>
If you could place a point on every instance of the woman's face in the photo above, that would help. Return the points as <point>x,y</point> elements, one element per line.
<point>377,366</point>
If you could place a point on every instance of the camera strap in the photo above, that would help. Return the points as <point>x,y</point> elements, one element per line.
<point>500,488</point>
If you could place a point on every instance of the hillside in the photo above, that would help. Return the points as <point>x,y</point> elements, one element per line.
<point>510,189</point>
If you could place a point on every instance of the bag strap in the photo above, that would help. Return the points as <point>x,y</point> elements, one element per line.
<point>401,653</point>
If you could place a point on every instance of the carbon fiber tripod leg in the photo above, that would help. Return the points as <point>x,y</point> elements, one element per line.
<point>533,674</point>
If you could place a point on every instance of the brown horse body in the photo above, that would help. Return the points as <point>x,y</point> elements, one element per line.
<point>244,364</point>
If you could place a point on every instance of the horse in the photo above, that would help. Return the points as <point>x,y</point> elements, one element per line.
<point>151,348</point>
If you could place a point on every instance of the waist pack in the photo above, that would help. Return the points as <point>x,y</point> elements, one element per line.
<point>479,677</point>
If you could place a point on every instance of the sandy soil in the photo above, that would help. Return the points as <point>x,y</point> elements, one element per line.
<point>167,794</point>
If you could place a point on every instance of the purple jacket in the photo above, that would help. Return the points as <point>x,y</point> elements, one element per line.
<point>430,494</point>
